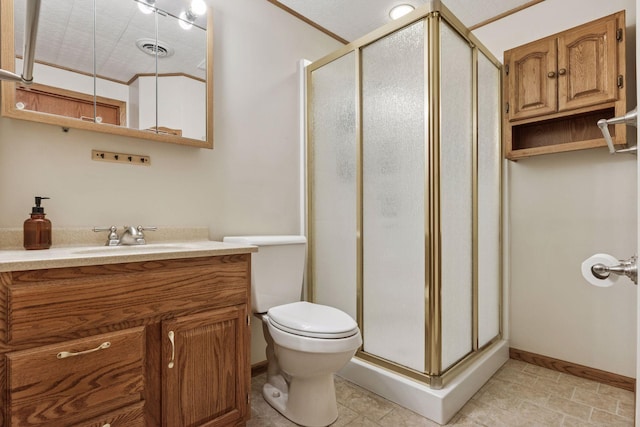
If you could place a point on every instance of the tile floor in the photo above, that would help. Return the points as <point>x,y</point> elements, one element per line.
<point>519,394</point>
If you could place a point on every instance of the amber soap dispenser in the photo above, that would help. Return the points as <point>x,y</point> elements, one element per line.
<point>37,229</point>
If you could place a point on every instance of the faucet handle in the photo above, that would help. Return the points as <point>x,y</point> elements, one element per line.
<point>112,239</point>
<point>140,237</point>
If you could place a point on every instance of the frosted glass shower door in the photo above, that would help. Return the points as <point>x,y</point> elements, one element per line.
<point>489,201</point>
<point>393,237</point>
<point>333,199</point>
<point>456,192</point>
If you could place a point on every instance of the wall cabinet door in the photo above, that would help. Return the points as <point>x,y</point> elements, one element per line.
<point>206,373</point>
<point>531,78</point>
<point>587,65</point>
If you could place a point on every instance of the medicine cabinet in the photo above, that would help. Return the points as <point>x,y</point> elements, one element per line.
<point>107,66</point>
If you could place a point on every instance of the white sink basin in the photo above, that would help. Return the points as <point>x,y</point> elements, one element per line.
<point>151,247</point>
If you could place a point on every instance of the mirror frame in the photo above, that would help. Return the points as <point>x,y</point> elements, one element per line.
<point>8,107</point>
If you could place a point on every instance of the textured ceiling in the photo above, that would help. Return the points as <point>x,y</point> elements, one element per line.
<point>65,31</point>
<point>65,38</point>
<point>351,19</point>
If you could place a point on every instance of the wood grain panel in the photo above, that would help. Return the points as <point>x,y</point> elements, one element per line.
<point>551,133</point>
<point>531,91</point>
<point>129,416</point>
<point>45,390</point>
<point>589,57</point>
<point>209,378</point>
<point>56,303</point>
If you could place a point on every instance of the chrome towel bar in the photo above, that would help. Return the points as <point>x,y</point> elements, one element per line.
<point>629,119</point>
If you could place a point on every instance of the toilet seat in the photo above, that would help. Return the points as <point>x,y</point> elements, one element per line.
<point>312,320</point>
<point>312,328</point>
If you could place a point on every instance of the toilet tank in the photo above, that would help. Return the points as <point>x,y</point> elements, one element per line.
<point>277,269</point>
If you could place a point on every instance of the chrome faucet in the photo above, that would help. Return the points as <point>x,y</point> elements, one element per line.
<point>135,235</point>
<point>130,235</point>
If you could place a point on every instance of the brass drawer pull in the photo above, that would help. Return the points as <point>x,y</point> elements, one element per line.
<point>65,354</point>
<point>173,349</point>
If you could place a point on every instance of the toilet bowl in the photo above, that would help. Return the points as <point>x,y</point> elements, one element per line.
<point>303,360</point>
<point>306,342</point>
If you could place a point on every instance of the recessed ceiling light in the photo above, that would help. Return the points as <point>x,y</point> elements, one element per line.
<point>400,10</point>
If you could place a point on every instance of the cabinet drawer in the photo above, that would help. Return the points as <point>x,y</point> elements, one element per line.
<point>131,416</point>
<point>45,306</point>
<point>66,383</point>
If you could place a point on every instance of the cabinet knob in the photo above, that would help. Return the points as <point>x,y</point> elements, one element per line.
<point>562,71</point>
<point>551,74</point>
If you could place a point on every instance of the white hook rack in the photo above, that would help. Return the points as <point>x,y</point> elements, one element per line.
<point>629,119</point>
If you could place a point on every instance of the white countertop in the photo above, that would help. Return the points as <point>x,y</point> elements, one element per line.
<point>74,256</point>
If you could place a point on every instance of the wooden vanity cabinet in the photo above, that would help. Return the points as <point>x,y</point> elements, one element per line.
<point>558,87</point>
<point>90,346</point>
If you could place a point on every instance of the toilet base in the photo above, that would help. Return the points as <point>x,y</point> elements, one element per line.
<point>310,402</point>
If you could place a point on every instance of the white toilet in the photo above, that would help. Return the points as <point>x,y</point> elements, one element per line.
<point>306,343</point>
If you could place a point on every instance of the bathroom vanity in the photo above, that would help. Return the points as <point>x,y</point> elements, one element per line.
<point>125,336</point>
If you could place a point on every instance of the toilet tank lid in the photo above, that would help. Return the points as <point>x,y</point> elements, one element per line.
<point>266,240</point>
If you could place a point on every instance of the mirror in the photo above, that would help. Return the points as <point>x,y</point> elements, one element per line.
<point>107,66</point>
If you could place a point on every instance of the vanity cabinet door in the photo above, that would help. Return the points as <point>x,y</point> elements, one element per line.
<point>206,372</point>
<point>74,381</point>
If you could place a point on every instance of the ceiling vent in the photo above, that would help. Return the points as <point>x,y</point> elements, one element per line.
<point>150,47</point>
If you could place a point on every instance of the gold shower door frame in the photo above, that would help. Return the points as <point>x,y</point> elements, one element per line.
<point>432,14</point>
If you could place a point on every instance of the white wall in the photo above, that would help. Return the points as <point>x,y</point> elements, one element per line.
<point>564,208</point>
<point>247,184</point>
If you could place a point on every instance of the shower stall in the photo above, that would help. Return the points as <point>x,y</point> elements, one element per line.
<point>404,207</point>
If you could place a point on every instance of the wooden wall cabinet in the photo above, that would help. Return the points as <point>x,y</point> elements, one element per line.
<point>557,88</point>
<point>142,344</point>
<point>61,102</point>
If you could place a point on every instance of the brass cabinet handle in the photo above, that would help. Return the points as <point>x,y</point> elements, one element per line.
<point>551,74</point>
<point>173,349</point>
<point>562,71</point>
<point>65,354</point>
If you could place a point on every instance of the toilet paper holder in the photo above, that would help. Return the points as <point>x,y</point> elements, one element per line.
<point>628,267</point>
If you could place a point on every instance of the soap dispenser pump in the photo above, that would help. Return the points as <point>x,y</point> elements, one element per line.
<point>37,229</point>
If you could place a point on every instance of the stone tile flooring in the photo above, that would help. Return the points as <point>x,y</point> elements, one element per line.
<point>519,394</point>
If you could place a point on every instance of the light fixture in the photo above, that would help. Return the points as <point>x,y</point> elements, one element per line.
<point>146,6</point>
<point>400,10</point>
<point>198,7</point>
<point>188,17</point>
